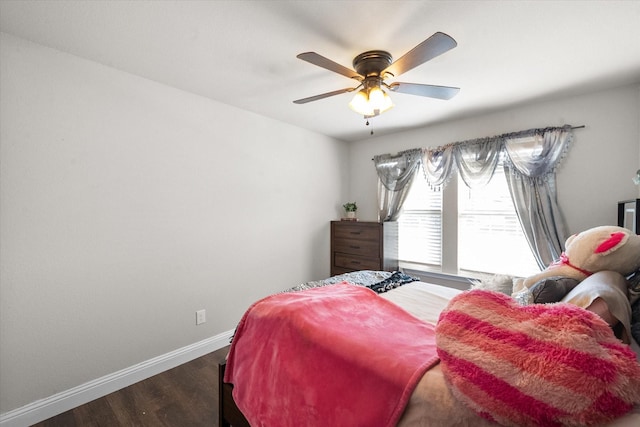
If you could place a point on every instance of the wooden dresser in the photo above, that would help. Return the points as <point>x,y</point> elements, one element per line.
<point>362,245</point>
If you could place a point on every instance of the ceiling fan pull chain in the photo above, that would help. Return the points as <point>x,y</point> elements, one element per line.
<point>367,124</point>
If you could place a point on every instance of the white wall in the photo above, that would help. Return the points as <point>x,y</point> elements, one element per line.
<point>594,176</point>
<point>126,206</point>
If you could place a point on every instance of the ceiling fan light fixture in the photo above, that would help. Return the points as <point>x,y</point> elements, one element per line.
<point>371,102</point>
<point>376,98</point>
<point>387,103</point>
<point>360,102</point>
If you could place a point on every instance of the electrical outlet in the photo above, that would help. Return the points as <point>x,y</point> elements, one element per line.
<point>201,317</point>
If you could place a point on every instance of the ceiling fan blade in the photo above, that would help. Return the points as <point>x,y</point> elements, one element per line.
<point>435,45</point>
<point>324,95</point>
<point>431,91</point>
<point>328,64</point>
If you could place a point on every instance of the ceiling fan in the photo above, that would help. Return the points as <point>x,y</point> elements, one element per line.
<point>373,67</point>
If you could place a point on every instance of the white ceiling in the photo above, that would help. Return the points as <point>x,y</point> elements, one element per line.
<point>243,53</point>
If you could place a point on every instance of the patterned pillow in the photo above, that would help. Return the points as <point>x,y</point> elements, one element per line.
<point>541,364</point>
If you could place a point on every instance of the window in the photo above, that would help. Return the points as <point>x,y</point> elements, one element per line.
<point>420,225</point>
<point>489,236</point>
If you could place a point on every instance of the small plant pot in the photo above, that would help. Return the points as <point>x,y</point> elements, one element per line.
<point>351,214</point>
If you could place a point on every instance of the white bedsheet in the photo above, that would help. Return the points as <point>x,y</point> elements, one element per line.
<point>424,300</point>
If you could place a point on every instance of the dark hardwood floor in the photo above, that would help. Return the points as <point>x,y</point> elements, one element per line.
<point>185,396</point>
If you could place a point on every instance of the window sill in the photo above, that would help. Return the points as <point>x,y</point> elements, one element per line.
<point>432,274</point>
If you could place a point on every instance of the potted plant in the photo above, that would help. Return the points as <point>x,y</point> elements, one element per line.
<point>350,208</point>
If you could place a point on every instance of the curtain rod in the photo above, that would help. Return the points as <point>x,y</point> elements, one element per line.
<point>572,127</point>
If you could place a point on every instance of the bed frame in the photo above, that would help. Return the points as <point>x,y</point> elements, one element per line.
<point>228,413</point>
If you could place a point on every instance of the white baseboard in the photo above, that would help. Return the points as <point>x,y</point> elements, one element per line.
<point>43,409</point>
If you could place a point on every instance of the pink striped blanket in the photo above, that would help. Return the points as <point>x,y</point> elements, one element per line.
<point>337,355</point>
<point>535,365</point>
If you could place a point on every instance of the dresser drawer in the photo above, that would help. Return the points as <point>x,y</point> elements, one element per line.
<point>355,262</point>
<point>364,248</point>
<point>363,245</point>
<point>356,232</point>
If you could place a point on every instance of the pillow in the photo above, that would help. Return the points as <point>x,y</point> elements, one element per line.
<point>634,287</point>
<point>540,364</point>
<point>605,293</point>
<point>552,289</point>
<point>499,282</point>
<point>544,291</point>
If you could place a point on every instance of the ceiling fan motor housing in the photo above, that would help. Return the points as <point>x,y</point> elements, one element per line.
<point>372,62</point>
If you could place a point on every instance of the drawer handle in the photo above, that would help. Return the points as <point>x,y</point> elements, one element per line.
<point>357,233</point>
<point>355,262</point>
<point>354,247</point>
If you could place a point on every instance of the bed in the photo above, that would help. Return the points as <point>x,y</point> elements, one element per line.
<point>429,394</point>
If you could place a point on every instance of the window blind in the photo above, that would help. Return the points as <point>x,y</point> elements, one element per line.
<point>420,225</point>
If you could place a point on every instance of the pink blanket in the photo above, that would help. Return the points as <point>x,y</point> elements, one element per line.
<point>535,365</point>
<point>333,356</point>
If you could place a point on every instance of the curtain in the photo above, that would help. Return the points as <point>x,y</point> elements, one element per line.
<point>438,166</point>
<point>530,159</point>
<point>539,215</point>
<point>395,175</point>
<point>476,160</point>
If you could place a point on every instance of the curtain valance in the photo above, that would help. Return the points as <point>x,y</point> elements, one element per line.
<point>534,153</point>
<point>396,170</point>
<point>395,173</point>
